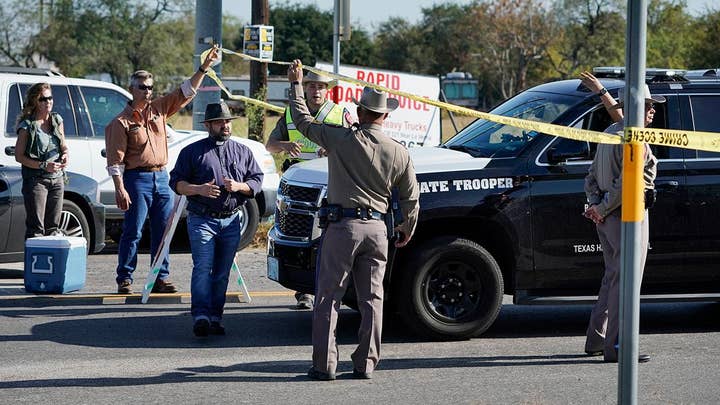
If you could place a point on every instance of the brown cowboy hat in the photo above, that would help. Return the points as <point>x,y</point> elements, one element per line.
<point>218,111</point>
<point>649,98</point>
<point>376,100</point>
<point>314,77</point>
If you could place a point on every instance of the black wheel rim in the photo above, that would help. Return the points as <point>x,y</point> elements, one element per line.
<point>452,291</point>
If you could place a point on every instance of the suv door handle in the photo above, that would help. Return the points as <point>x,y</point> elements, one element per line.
<point>10,150</point>
<point>103,153</point>
<point>671,185</point>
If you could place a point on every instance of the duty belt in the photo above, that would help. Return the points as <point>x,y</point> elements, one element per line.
<point>362,213</point>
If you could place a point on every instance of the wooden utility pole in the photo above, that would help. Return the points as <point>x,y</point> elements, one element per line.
<point>258,70</point>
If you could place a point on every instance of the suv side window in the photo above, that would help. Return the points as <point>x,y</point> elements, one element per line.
<point>706,118</point>
<point>61,105</point>
<point>103,105</point>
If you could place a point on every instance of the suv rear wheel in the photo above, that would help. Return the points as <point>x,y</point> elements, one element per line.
<point>249,220</point>
<point>452,289</point>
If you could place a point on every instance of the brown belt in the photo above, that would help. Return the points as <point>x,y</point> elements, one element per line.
<point>147,168</point>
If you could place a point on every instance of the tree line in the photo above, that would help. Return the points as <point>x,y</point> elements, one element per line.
<point>508,45</point>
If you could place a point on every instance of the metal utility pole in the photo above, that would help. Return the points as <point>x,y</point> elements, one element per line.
<point>633,205</point>
<point>341,32</point>
<point>258,70</point>
<point>208,31</point>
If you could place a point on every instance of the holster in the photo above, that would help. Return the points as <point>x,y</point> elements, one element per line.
<point>328,213</point>
<point>650,197</point>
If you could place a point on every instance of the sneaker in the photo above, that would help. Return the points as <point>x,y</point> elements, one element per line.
<point>305,301</point>
<point>201,328</point>
<point>125,287</point>
<point>163,287</point>
<point>319,375</point>
<point>216,328</point>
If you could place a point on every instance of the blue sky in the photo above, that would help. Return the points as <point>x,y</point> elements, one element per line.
<point>371,13</point>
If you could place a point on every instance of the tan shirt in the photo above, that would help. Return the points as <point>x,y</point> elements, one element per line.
<point>364,164</point>
<point>603,184</point>
<point>138,138</point>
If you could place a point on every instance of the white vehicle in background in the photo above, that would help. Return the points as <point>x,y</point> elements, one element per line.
<point>86,107</point>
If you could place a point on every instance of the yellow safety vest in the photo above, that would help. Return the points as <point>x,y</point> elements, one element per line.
<point>329,113</point>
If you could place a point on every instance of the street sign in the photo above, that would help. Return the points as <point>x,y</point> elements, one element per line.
<point>258,41</point>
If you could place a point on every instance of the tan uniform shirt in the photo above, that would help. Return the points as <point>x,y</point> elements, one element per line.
<point>138,138</point>
<point>603,184</point>
<point>364,164</point>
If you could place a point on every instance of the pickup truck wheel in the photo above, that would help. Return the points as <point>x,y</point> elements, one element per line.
<point>249,219</point>
<point>74,223</point>
<point>452,289</point>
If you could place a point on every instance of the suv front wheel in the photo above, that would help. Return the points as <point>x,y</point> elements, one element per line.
<point>452,288</point>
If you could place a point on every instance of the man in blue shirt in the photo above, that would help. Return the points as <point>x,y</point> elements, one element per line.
<point>218,176</point>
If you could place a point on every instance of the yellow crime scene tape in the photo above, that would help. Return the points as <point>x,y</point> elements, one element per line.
<point>708,141</point>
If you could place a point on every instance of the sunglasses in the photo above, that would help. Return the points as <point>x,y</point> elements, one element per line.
<point>649,106</point>
<point>48,98</point>
<point>144,87</point>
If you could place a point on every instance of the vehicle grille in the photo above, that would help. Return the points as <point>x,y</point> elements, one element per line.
<point>292,224</point>
<point>298,193</point>
<point>297,208</point>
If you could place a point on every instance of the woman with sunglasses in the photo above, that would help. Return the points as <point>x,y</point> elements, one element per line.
<point>41,150</point>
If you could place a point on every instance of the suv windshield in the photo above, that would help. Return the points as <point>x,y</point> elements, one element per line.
<point>485,138</point>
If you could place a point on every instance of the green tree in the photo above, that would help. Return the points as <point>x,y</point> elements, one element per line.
<point>669,34</point>
<point>400,46</point>
<point>22,19</point>
<point>706,31</point>
<point>118,37</point>
<point>306,33</point>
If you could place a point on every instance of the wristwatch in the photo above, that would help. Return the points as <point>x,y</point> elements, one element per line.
<point>602,91</point>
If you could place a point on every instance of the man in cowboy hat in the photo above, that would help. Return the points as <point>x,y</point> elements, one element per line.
<point>364,165</point>
<point>286,138</point>
<point>603,191</point>
<point>218,176</point>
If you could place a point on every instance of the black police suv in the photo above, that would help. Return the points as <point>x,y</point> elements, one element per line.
<point>501,211</point>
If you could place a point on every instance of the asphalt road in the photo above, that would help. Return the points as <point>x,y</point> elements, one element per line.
<point>78,350</point>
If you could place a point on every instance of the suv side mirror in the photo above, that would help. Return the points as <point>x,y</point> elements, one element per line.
<point>554,156</point>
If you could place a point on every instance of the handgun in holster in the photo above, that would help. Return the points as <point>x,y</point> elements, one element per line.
<point>328,213</point>
<point>394,216</point>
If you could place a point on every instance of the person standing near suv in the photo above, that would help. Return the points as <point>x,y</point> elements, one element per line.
<point>364,165</point>
<point>218,177</point>
<point>137,152</point>
<point>286,138</point>
<point>42,152</point>
<point>604,193</point>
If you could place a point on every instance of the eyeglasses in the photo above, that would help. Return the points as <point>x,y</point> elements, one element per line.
<point>649,106</point>
<point>144,87</point>
<point>48,98</point>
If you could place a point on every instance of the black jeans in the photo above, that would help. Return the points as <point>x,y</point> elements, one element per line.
<point>43,205</point>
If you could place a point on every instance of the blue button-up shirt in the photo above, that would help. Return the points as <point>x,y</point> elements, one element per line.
<point>205,160</point>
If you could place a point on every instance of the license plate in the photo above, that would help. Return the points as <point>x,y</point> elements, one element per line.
<point>273,269</point>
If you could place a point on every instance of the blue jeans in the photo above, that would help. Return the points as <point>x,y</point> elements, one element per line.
<point>213,243</point>
<point>151,195</point>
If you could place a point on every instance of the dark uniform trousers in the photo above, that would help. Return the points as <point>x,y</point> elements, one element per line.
<point>602,332</point>
<point>354,247</point>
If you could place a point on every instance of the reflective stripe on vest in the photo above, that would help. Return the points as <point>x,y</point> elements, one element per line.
<point>329,113</point>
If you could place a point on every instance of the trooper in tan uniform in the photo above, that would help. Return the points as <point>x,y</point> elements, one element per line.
<point>603,191</point>
<point>364,165</point>
<point>286,138</point>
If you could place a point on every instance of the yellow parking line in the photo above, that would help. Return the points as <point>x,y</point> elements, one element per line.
<point>124,298</point>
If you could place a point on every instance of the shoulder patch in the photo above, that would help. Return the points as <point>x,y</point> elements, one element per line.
<point>347,117</point>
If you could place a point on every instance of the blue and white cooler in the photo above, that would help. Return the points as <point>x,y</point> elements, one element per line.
<point>55,264</point>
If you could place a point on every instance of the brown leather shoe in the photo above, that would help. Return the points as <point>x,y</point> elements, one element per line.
<point>164,287</point>
<point>125,287</point>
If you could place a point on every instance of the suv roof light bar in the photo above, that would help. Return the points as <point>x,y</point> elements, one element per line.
<point>651,74</point>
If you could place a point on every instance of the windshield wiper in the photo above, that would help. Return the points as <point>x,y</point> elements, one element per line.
<point>474,152</point>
